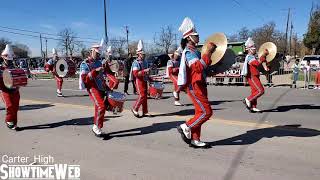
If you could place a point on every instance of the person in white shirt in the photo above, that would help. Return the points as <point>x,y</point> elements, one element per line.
<point>307,73</point>
<point>295,73</point>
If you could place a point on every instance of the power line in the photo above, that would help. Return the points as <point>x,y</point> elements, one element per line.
<point>35,36</point>
<point>44,33</point>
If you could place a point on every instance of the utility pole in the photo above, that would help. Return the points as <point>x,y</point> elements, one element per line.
<point>105,22</point>
<point>175,39</point>
<point>41,46</point>
<point>46,50</point>
<point>127,32</point>
<point>291,27</point>
<point>285,51</point>
<point>66,46</point>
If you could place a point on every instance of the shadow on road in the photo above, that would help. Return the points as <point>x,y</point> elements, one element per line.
<point>31,107</point>
<point>77,95</point>
<point>253,136</point>
<point>156,127</point>
<point>291,107</point>
<point>34,106</point>
<point>72,122</point>
<point>184,112</point>
<point>216,102</point>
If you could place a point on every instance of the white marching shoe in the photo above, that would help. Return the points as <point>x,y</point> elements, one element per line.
<point>198,144</point>
<point>185,133</point>
<point>248,103</point>
<point>175,95</point>
<point>135,113</point>
<point>59,93</point>
<point>256,110</point>
<point>177,103</point>
<point>96,130</point>
<point>186,130</point>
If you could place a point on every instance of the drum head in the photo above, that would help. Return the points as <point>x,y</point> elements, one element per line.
<point>117,96</point>
<point>157,85</point>
<point>7,79</point>
<point>114,66</point>
<point>62,68</point>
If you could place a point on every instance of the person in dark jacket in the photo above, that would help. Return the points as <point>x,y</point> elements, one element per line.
<point>126,73</point>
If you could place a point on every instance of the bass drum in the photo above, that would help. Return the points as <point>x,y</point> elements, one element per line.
<point>156,89</point>
<point>65,68</point>
<point>13,78</point>
<point>114,101</point>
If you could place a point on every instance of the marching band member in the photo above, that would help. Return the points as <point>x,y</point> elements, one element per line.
<point>49,66</point>
<point>113,81</point>
<point>172,72</point>
<point>252,74</point>
<point>192,75</point>
<point>10,97</point>
<point>140,71</point>
<point>92,74</point>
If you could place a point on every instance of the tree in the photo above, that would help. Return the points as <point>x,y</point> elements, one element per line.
<point>233,38</point>
<point>244,34</point>
<point>21,50</point>
<point>118,45</point>
<point>312,37</point>
<point>69,44</point>
<point>133,46</point>
<point>268,32</point>
<point>165,38</point>
<point>3,43</point>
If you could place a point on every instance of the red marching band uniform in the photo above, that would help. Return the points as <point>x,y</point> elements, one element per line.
<point>10,97</point>
<point>92,75</point>
<point>252,74</point>
<point>113,81</point>
<point>172,72</point>
<point>192,76</point>
<point>49,66</point>
<point>140,72</point>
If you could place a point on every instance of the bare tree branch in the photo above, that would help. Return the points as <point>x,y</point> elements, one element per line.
<point>165,38</point>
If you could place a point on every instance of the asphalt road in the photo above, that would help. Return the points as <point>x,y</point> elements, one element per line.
<point>281,143</point>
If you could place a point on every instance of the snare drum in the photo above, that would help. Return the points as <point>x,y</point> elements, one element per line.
<point>114,66</point>
<point>115,101</point>
<point>65,68</point>
<point>13,78</point>
<point>156,89</point>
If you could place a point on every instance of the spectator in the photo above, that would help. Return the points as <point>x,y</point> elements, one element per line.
<point>317,82</point>
<point>126,73</point>
<point>307,72</point>
<point>295,73</point>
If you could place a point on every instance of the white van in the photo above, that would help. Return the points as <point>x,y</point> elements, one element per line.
<point>314,60</point>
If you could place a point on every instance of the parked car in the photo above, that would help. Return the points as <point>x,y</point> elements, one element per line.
<point>314,60</point>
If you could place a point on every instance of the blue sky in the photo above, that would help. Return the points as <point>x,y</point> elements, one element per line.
<point>145,17</point>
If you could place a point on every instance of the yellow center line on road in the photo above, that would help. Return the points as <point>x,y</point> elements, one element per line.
<point>212,120</point>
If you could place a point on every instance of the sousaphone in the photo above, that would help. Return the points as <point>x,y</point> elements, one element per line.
<point>271,47</point>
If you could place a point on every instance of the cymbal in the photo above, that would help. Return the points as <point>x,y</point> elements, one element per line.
<point>220,40</point>
<point>272,48</point>
<point>225,64</point>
